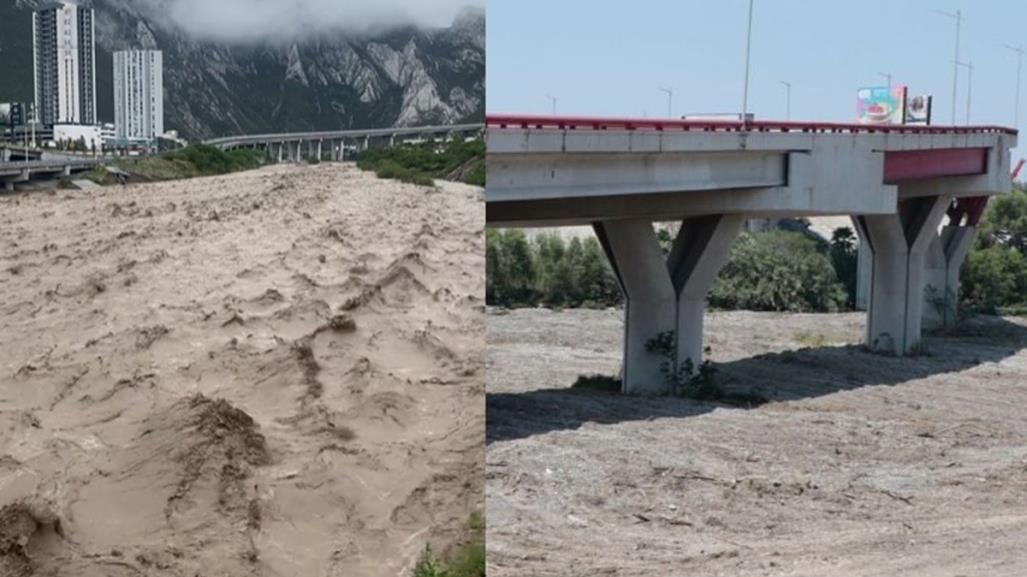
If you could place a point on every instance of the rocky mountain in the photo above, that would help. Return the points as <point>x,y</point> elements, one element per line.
<point>403,76</point>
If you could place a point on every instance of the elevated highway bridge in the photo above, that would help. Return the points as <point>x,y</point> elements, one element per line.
<point>915,195</point>
<point>14,172</point>
<point>332,145</point>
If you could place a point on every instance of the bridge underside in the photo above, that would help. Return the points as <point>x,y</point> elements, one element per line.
<point>898,187</point>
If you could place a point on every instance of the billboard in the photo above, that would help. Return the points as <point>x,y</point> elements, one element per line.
<point>879,105</point>
<point>12,114</point>
<point>918,109</point>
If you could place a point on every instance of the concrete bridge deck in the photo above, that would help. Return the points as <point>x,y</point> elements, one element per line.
<point>332,144</point>
<point>898,183</point>
<point>14,172</point>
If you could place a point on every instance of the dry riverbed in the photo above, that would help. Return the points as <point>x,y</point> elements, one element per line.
<point>860,465</point>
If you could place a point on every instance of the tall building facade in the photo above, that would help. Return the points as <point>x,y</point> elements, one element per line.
<point>138,94</point>
<point>64,59</point>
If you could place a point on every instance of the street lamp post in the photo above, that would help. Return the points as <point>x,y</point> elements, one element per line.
<point>788,99</point>
<point>670,101</point>
<point>958,17</point>
<point>553,101</point>
<point>748,53</point>
<point>888,77</point>
<point>969,86</point>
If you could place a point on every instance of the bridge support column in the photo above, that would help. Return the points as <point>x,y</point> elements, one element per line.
<point>701,249</point>
<point>664,296</point>
<point>898,244</point>
<point>319,151</point>
<point>650,307</point>
<point>945,256</point>
<point>9,185</point>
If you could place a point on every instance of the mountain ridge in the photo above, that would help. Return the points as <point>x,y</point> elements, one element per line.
<point>403,76</point>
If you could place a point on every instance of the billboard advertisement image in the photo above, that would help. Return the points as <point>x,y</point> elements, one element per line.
<point>879,105</point>
<point>918,109</point>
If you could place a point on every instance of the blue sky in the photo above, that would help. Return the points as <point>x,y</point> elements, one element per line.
<point>611,58</point>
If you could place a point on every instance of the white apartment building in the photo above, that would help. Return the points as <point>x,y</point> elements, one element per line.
<point>138,94</point>
<point>64,62</point>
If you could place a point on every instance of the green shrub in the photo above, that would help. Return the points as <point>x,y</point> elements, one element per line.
<point>468,561</point>
<point>602,383</point>
<point>778,271</point>
<point>393,170</point>
<point>210,160</point>
<point>1005,221</point>
<point>547,270</point>
<point>845,260</point>
<point>191,161</point>
<point>419,163</point>
<point>994,277</point>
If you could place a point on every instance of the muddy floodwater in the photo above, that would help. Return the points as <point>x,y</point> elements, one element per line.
<point>277,372</point>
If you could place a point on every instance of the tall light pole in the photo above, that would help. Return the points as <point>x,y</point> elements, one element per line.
<point>888,77</point>
<point>670,101</point>
<point>748,53</point>
<point>552,99</point>
<point>788,99</point>
<point>1019,68</point>
<point>969,85</point>
<point>958,17</point>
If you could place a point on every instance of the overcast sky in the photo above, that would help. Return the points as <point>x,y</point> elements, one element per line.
<point>246,20</point>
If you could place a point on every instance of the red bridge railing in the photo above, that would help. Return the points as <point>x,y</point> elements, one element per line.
<point>502,121</point>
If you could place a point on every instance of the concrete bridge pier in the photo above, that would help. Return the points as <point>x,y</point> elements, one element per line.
<point>650,307</point>
<point>700,250</point>
<point>665,296</point>
<point>945,256</point>
<point>899,244</point>
<point>319,150</point>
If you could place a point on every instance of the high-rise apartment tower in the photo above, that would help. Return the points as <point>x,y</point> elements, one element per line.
<point>138,94</point>
<point>64,58</point>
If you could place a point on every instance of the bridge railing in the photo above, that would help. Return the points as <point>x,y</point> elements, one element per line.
<point>341,134</point>
<point>505,121</point>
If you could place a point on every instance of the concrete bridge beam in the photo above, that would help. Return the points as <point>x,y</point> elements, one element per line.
<point>899,244</point>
